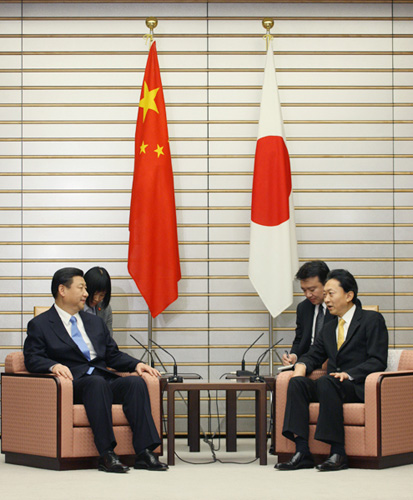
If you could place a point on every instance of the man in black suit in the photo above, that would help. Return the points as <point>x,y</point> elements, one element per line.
<point>355,344</point>
<point>78,346</point>
<point>312,312</point>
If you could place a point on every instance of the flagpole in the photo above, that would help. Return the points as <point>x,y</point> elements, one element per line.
<point>271,342</point>
<point>268,23</point>
<point>149,334</point>
<point>151,23</point>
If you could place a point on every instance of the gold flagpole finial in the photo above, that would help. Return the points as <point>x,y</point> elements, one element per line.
<point>268,23</point>
<point>151,23</point>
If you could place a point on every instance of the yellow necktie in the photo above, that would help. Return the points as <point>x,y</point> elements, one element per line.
<point>340,337</point>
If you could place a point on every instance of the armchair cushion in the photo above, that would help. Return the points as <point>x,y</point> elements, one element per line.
<point>353,413</point>
<point>80,418</point>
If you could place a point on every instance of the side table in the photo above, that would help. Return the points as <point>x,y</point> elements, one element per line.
<point>193,387</point>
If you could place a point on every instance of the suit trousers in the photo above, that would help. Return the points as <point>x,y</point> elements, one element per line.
<point>98,391</point>
<point>331,394</point>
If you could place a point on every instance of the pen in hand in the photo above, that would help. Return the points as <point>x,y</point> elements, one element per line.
<point>286,358</point>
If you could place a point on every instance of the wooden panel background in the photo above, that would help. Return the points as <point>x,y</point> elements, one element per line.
<point>70,84</point>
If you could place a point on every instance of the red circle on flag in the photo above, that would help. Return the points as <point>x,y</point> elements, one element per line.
<point>272,182</point>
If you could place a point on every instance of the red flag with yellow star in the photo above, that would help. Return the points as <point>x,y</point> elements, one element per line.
<point>153,260</point>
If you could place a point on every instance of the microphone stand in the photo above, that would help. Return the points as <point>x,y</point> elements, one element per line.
<point>175,378</point>
<point>243,372</point>
<point>256,377</point>
<point>152,361</point>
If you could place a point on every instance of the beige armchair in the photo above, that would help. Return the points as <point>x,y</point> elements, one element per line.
<point>41,426</point>
<point>378,432</point>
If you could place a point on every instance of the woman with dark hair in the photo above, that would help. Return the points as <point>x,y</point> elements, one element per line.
<point>99,289</point>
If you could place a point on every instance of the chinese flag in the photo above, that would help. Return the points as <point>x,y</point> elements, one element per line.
<point>273,258</point>
<point>153,260</point>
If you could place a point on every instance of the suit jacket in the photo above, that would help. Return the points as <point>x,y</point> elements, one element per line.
<point>48,343</point>
<point>363,352</point>
<point>304,328</point>
<point>106,314</point>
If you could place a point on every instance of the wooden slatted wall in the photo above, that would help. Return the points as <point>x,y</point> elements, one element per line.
<point>70,78</point>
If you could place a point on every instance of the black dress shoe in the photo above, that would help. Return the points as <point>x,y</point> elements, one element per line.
<point>298,461</point>
<point>334,462</point>
<point>148,461</point>
<point>109,462</point>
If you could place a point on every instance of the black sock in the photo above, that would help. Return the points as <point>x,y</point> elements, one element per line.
<point>337,448</point>
<point>106,451</point>
<point>301,445</point>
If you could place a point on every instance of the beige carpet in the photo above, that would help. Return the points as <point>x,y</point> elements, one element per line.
<point>205,482</point>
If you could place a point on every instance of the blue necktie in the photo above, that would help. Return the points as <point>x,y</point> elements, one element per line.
<point>77,337</point>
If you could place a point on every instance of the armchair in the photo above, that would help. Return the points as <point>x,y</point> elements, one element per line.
<point>41,426</point>
<point>378,432</point>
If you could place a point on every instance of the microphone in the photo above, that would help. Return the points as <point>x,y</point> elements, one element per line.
<point>243,372</point>
<point>175,377</point>
<point>256,375</point>
<point>147,350</point>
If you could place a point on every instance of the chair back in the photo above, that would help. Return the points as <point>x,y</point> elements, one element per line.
<point>406,359</point>
<point>40,309</point>
<point>371,308</point>
<point>393,360</point>
<point>14,363</point>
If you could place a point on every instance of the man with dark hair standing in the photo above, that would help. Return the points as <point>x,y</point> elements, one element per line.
<point>312,313</point>
<point>355,344</point>
<point>78,346</point>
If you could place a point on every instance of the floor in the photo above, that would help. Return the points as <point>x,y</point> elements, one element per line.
<point>204,481</point>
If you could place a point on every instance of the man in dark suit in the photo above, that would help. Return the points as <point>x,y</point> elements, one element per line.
<point>355,344</point>
<point>78,346</point>
<point>312,312</point>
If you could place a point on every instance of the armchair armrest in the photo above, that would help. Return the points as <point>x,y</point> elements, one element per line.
<point>281,386</point>
<point>317,374</point>
<point>14,363</point>
<point>389,407</point>
<point>154,390</point>
<point>282,381</point>
<point>34,406</point>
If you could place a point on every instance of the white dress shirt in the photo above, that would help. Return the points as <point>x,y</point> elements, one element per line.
<point>347,318</point>
<point>316,309</point>
<point>65,317</point>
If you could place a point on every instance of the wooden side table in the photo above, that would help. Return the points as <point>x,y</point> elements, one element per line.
<point>193,387</point>
<point>194,415</point>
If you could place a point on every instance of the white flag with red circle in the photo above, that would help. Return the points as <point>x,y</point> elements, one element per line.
<point>273,260</point>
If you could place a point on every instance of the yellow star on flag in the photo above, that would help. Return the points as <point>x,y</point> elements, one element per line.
<point>143,147</point>
<point>148,100</point>
<point>159,150</point>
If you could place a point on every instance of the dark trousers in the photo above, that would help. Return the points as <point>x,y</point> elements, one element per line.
<point>98,391</point>
<point>331,394</point>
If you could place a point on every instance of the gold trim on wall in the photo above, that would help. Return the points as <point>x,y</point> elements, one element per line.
<point>205,174</point>
<point>207,242</point>
<point>201,139</point>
